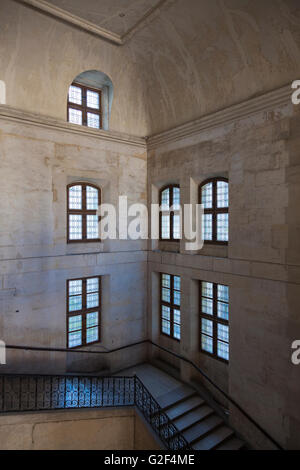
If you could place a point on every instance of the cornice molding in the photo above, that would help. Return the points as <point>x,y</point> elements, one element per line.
<point>90,27</point>
<point>265,102</point>
<point>16,115</point>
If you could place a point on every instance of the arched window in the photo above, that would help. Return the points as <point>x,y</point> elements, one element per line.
<point>215,198</point>
<point>90,100</point>
<point>169,223</point>
<point>83,200</point>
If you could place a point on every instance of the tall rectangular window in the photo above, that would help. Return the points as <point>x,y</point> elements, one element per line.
<point>214,320</point>
<point>170,219</point>
<point>84,106</point>
<point>82,219</point>
<point>83,311</point>
<point>170,305</point>
<point>214,195</point>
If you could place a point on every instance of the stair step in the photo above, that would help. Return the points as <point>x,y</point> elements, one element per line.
<point>202,428</point>
<point>175,396</point>
<point>183,407</point>
<point>232,444</point>
<point>214,439</point>
<point>193,416</point>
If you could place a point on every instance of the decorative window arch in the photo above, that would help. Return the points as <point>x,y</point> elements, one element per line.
<point>169,221</point>
<point>90,99</point>
<point>83,200</point>
<point>214,195</point>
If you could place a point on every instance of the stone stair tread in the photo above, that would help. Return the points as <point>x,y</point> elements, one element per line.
<point>175,396</point>
<point>193,417</point>
<point>214,439</point>
<point>203,427</point>
<point>232,444</point>
<point>178,409</point>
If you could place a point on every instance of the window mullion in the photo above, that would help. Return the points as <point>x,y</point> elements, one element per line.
<point>215,315</point>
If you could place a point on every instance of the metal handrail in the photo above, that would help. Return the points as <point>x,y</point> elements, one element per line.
<point>33,393</point>
<point>178,356</point>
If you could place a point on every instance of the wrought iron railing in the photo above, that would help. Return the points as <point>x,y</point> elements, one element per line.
<point>231,400</point>
<point>48,393</point>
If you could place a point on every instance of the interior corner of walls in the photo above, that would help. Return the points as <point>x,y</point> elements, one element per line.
<point>2,92</point>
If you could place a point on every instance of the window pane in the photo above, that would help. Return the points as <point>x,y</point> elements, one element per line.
<point>207,343</point>
<point>222,194</point>
<point>177,282</point>
<point>166,295</point>
<point>176,297</point>
<point>207,196</point>
<point>207,306</point>
<point>165,227</point>
<point>176,331</point>
<point>75,227</point>
<point>165,200</point>
<point>75,95</point>
<point>92,319</point>
<point>223,293</point>
<point>222,227</point>
<point>166,280</point>
<point>92,99</point>
<point>75,323</point>
<point>75,303</point>
<point>166,313</point>
<point>176,227</point>
<point>75,116</point>
<point>92,228</point>
<point>223,311</point>
<point>223,350</point>
<point>75,287</point>
<point>93,120</point>
<point>91,198</point>
<point>75,197</point>
<point>92,300</point>
<point>92,285</point>
<point>207,327</point>
<point>166,327</point>
<point>177,317</point>
<point>75,339</point>
<point>92,335</point>
<point>176,199</point>
<point>223,332</point>
<point>207,227</point>
<point>207,289</point>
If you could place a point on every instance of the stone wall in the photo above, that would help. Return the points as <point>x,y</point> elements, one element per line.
<point>259,155</point>
<point>38,160</point>
<point>117,429</point>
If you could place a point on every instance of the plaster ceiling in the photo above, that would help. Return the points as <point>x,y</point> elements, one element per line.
<point>188,58</point>
<point>117,16</point>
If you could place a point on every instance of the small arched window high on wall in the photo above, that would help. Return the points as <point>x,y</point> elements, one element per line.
<point>214,196</point>
<point>90,99</point>
<point>169,222</point>
<point>83,200</point>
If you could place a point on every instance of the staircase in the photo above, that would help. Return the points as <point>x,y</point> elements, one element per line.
<point>200,425</point>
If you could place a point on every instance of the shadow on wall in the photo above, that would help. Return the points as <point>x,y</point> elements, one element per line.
<point>99,80</point>
<point>2,92</point>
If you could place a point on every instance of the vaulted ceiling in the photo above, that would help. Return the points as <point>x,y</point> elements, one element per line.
<point>187,58</point>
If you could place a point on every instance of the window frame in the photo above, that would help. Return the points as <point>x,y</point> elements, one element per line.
<point>172,213</point>
<point>215,320</point>
<point>215,210</point>
<point>83,107</point>
<point>83,212</point>
<point>83,312</point>
<point>170,305</point>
